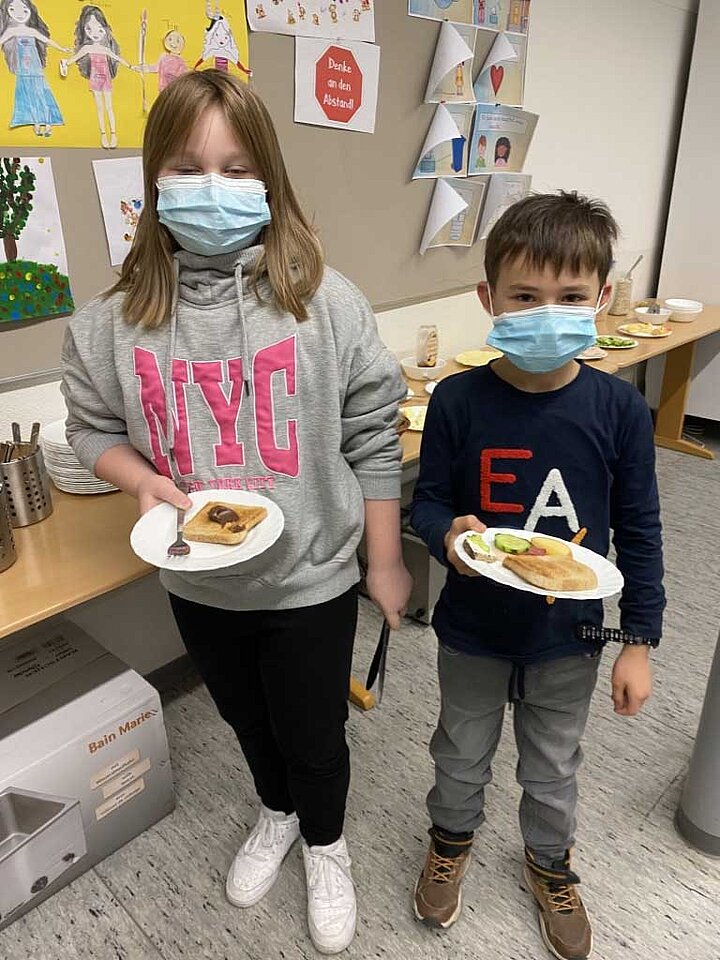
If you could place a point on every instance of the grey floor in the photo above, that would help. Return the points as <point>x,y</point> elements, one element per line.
<point>161,897</point>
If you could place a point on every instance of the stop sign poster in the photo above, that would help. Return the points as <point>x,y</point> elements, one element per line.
<point>336,84</point>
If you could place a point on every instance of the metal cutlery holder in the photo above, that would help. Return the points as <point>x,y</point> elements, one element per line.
<point>8,555</point>
<point>27,487</point>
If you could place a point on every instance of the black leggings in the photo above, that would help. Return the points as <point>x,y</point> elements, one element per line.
<point>281,679</point>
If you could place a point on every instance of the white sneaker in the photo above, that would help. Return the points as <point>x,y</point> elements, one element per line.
<point>257,864</point>
<point>332,909</point>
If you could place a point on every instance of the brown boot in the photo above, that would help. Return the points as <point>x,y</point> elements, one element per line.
<point>438,892</point>
<point>563,920</point>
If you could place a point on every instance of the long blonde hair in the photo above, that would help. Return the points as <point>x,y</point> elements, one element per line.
<point>292,259</point>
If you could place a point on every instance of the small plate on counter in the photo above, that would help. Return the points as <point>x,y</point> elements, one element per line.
<point>592,353</point>
<point>648,331</point>
<point>477,358</point>
<point>616,343</point>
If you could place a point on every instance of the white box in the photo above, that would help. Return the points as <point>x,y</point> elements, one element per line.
<point>84,764</point>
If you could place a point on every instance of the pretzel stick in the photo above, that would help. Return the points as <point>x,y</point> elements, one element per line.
<point>578,539</point>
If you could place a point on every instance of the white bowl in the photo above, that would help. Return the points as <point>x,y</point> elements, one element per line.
<point>684,311</point>
<point>414,372</point>
<point>643,314</point>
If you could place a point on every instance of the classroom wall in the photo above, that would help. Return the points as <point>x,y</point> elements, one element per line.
<point>608,82</point>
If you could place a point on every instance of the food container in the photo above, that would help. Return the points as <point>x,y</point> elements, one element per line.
<point>27,488</point>
<point>683,311</point>
<point>8,556</point>
<point>426,351</point>
<point>414,372</point>
<point>658,319</point>
<point>621,303</point>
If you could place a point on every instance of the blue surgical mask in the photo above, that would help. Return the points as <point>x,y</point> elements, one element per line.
<point>210,214</point>
<point>545,338</point>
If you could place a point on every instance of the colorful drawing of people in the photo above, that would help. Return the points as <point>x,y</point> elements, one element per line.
<point>480,161</point>
<point>220,45</point>
<point>97,56</point>
<point>502,152</point>
<point>24,38</point>
<point>170,65</point>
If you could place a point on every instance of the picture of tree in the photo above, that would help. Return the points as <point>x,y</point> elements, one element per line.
<point>30,290</point>
<point>17,183</point>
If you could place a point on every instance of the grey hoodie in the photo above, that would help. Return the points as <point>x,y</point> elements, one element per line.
<point>304,413</point>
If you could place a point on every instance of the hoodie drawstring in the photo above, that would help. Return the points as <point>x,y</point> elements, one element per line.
<point>243,327</point>
<point>169,416</point>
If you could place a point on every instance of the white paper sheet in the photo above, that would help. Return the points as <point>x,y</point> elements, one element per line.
<point>333,20</point>
<point>454,214</point>
<point>505,189</point>
<point>502,76</point>
<point>451,73</point>
<point>120,188</point>
<point>336,84</point>
<point>445,150</point>
<point>33,261</point>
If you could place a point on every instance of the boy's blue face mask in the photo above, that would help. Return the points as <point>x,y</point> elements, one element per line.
<point>210,214</point>
<point>544,338</point>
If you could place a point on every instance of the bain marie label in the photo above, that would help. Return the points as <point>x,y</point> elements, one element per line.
<point>126,726</point>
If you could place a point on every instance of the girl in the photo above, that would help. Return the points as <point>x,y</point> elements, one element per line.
<point>502,152</point>
<point>220,45</point>
<point>24,38</point>
<point>228,355</point>
<point>97,55</point>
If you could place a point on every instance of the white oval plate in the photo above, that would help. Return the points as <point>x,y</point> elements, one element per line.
<point>610,580</point>
<point>626,329</point>
<point>155,531</point>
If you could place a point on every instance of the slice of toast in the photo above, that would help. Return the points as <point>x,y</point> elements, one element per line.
<point>202,529</point>
<point>552,573</point>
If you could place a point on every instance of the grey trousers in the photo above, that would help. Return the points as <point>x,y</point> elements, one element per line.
<point>549,722</point>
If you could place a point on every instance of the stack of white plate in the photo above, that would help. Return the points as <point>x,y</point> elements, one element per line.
<point>64,467</point>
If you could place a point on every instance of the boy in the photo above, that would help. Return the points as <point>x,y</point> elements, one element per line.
<point>537,441</point>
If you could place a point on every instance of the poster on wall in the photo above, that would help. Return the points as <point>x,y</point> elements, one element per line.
<point>445,150</point>
<point>505,189</point>
<point>502,76</point>
<point>336,85</point>
<point>454,214</point>
<point>488,14</point>
<point>333,20</point>
<point>33,264</point>
<point>501,139</point>
<point>85,75</point>
<point>451,72</point>
<point>120,188</point>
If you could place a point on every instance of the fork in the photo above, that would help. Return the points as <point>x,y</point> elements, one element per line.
<point>180,548</point>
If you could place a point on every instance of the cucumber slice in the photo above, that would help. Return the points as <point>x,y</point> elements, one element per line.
<point>509,543</point>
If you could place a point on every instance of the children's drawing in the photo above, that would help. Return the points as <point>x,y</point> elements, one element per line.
<point>220,45</point>
<point>488,14</point>
<point>54,51</point>
<point>450,78</point>
<point>97,56</point>
<point>502,76</point>
<point>24,38</point>
<point>33,265</point>
<point>333,20</point>
<point>518,16</point>
<point>170,65</point>
<point>120,188</point>
<point>505,189</point>
<point>501,138</point>
<point>444,152</point>
<point>454,213</point>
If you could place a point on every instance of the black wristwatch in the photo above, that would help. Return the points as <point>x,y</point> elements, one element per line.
<point>591,633</point>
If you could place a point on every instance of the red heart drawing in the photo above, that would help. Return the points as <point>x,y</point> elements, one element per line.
<point>496,77</point>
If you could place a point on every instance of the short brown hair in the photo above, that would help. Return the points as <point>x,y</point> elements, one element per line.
<point>561,229</point>
<point>292,259</point>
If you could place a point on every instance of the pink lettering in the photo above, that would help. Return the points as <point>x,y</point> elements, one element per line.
<point>153,402</point>
<point>209,377</point>
<point>277,358</point>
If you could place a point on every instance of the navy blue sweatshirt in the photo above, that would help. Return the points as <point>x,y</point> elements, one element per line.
<point>580,456</point>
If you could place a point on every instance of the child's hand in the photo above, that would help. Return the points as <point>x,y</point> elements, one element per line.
<point>389,588</point>
<point>460,525</point>
<point>631,680</point>
<point>158,489</point>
